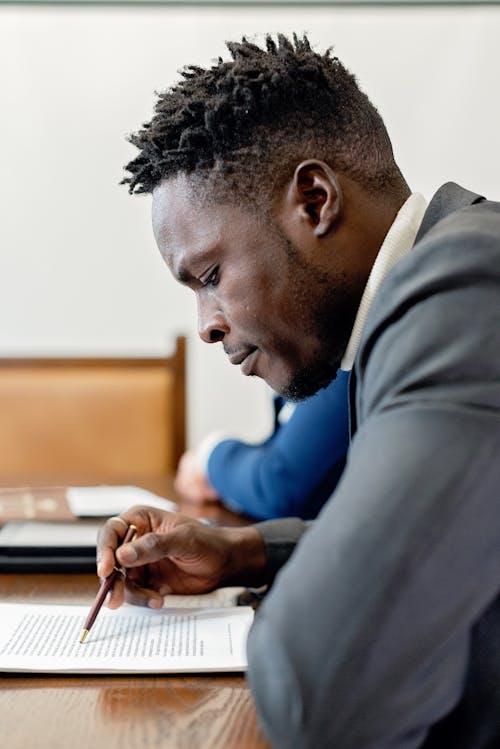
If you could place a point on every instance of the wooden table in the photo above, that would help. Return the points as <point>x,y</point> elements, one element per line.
<point>160,485</point>
<point>120,712</point>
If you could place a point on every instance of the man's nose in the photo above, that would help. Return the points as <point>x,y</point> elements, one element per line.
<point>212,325</point>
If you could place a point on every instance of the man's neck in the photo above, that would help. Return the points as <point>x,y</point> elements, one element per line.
<point>396,244</point>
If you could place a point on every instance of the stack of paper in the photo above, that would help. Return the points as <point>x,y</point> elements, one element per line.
<point>45,639</point>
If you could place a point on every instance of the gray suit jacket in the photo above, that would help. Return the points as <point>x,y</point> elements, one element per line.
<point>382,631</point>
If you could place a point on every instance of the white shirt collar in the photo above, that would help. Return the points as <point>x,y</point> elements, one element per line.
<point>398,242</point>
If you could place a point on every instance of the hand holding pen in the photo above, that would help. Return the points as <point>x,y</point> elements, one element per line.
<point>106,586</point>
<point>173,553</point>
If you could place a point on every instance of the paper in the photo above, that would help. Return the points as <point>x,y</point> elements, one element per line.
<point>45,639</point>
<point>218,598</point>
<point>102,501</point>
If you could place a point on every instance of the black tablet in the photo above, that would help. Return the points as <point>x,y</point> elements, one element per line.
<point>37,546</point>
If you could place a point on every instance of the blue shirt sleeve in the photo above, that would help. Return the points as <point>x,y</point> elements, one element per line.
<point>296,469</point>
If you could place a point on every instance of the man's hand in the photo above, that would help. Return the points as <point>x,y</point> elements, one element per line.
<point>191,482</point>
<point>175,554</point>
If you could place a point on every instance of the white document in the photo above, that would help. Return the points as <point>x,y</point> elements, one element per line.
<point>45,639</point>
<point>218,598</point>
<point>97,501</point>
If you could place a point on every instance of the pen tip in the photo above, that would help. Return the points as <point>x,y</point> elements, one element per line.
<point>84,634</point>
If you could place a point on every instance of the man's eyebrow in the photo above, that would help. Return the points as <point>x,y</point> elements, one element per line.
<point>187,274</point>
<point>182,274</point>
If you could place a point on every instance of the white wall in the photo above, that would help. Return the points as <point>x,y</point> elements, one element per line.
<point>79,271</point>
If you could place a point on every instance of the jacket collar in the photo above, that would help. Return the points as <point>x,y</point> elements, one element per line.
<point>449,198</point>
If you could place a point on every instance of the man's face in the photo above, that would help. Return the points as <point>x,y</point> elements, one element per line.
<point>277,315</point>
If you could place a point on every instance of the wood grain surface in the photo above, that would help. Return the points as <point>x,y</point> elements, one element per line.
<point>209,712</point>
<point>121,712</point>
<point>118,712</point>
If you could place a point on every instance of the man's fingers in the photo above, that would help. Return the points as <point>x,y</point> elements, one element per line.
<point>116,595</point>
<point>153,547</point>
<point>113,532</point>
<point>144,550</point>
<point>109,537</point>
<point>142,596</point>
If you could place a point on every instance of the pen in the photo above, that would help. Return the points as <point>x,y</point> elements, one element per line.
<point>106,586</point>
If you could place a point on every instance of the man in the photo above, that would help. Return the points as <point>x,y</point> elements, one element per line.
<point>276,198</point>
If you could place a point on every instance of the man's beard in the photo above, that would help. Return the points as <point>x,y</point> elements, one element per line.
<point>307,380</point>
<point>330,315</point>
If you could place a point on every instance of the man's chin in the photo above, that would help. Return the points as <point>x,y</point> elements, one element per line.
<point>307,382</point>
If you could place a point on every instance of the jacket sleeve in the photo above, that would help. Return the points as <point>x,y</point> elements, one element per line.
<point>296,469</point>
<point>364,640</point>
<point>280,537</point>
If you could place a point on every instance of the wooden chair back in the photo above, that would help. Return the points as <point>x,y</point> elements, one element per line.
<point>109,419</point>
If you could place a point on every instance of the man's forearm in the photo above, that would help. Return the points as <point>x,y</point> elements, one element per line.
<point>247,558</point>
<point>259,551</point>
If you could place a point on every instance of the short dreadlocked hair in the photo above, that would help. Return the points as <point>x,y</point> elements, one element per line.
<point>260,114</point>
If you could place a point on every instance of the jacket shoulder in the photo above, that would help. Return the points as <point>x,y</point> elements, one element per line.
<point>461,250</point>
<point>433,326</point>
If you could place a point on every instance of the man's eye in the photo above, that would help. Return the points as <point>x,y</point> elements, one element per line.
<point>213,278</point>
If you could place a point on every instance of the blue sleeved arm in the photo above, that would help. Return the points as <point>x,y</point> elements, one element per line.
<point>296,469</point>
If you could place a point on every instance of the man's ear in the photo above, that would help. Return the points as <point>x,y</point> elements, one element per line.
<point>315,196</point>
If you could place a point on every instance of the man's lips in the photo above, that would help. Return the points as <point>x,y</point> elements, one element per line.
<point>248,363</point>
<point>239,357</point>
